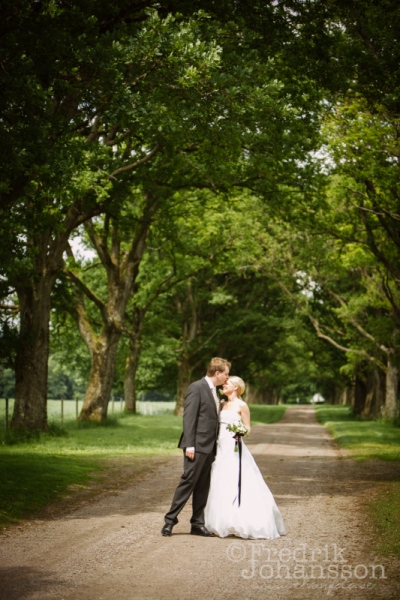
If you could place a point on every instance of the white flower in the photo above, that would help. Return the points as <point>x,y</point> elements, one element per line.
<point>238,428</point>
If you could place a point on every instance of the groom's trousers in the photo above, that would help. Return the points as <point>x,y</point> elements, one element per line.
<point>196,480</point>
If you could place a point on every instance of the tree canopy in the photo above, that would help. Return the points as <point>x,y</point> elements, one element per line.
<point>234,166</point>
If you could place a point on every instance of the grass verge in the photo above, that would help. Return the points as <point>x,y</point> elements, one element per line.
<point>37,469</point>
<point>371,440</point>
<point>30,481</point>
<point>263,413</point>
<point>365,439</point>
<point>385,511</point>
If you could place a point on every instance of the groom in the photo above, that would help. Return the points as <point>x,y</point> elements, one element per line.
<point>198,440</point>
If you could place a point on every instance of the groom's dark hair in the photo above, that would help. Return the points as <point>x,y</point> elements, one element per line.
<point>217,364</point>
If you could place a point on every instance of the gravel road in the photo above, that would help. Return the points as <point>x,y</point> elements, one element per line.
<point>105,543</point>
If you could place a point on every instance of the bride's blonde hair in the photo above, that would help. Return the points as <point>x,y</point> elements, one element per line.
<point>239,383</point>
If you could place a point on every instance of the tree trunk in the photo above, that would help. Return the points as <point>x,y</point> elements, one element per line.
<point>103,349</point>
<point>270,396</point>
<point>104,358</point>
<point>391,408</point>
<point>130,381</point>
<point>339,395</point>
<point>369,392</point>
<point>184,380</point>
<point>360,392</point>
<point>30,408</point>
<point>122,272</point>
<point>261,395</point>
<point>346,396</point>
<point>34,294</point>
<point>252,395</point>
<point>132,361</point>
<point>375,394</point>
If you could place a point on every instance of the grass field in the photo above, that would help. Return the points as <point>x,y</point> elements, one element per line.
<point>261,413</point>
<point>36,469</point>
<point>365,439</point>
<point>371,440</point>
<point>57,410</point>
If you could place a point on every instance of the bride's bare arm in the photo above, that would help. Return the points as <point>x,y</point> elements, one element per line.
<point>245,415</point>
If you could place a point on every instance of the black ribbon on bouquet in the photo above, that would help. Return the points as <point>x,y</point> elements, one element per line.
<point>238,443</point>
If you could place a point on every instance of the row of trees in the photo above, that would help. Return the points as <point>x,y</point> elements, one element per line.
<point>234,171</point>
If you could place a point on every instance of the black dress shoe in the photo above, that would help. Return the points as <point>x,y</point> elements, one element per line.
<point>201,530</point>
<point>167,529</point>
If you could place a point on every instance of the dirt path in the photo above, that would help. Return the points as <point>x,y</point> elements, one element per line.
<point>111,548</point>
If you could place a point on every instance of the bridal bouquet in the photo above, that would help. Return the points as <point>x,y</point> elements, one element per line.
<point>239,430</point>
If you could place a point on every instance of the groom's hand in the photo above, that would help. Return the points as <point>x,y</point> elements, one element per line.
<point>190,453</point>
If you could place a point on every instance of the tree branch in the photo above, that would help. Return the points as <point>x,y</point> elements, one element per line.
<point>381,211</point>
<point>88,293</point>
<point>356,324</point>
<point>137,163</point>
<point>189,162</point>
<point>375,250</point>
<point>99,245</point>
<point>207,341</point>
<point>11,307</point>
<point>84,325</point>
<point>328,338</point>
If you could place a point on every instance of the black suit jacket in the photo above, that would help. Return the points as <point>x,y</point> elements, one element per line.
<point>200,418</point>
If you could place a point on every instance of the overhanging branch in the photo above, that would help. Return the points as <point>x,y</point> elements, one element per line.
<point>136,163</point>
<point>88,293</point>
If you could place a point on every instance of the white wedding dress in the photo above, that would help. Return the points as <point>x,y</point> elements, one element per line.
<point>258,516</point>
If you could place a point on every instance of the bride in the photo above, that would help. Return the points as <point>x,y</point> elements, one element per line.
<point>258,516</point>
